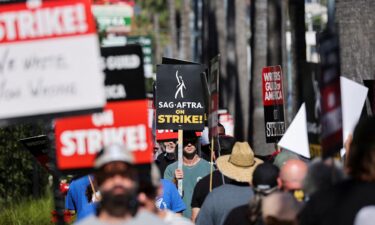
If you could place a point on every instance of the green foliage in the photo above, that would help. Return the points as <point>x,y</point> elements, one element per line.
<point>28,212</point>
<point>143,23</point>
<point>17,165</point>
<point>317,23</point>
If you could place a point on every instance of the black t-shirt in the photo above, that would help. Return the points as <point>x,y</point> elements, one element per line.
<point>202,188</point>
<point>240,216</point>
<point>162,161</point>
<point>338,205</point>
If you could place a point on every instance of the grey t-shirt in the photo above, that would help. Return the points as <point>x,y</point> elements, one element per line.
<point>192,174</point>
<point>94,220</point>
<point>221,201</point>
<point>143,217</point>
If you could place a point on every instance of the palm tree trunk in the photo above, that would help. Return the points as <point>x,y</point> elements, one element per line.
<point>298,48</point>
<point>259,60</point>
<point>157,38</point>
<point>222,33</point>
<point>241,43</point>
<point>186,34</point>
<point>231,90</point>
<point>172,27</point>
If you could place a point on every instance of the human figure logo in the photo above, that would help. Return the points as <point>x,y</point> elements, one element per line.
<point>180,86</point>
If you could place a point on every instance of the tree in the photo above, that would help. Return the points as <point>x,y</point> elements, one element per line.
<point>156,23</point>
<point>172,27</point>
<point>242,33</point>
<point>222,33</point>
<point>185,32</point>
<point>298,46</point>
<point>18,168</point>
<point>259,60</point>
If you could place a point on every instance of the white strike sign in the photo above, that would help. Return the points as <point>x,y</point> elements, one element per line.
<point>49,59</point>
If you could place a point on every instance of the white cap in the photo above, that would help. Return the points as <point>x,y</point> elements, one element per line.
<point>113,153</point>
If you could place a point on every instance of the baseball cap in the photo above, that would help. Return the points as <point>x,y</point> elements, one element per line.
<point>284,156</point>
<point>265,176</point>
<point>113,153</point>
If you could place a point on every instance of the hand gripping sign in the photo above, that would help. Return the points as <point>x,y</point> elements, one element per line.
<point>49,60</point>
<point>179,100</point>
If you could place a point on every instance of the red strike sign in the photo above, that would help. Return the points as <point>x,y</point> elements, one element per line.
<point>58,18</point>
<point>164,135</point>
<point>78,139</point>
<point>272,86</point>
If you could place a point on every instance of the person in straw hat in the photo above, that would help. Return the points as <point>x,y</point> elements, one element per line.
<point>207,183</point>
<point>239,167</point>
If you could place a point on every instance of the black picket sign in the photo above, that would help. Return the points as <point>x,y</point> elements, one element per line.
<point>180,97</point>
<point>123,67</point>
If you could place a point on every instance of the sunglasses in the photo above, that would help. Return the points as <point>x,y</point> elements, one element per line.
<point>187,141</point>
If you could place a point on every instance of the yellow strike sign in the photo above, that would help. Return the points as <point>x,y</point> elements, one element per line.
<point>180,119</point>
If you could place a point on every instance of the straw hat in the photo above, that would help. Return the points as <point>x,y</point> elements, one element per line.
<point>240,165</point>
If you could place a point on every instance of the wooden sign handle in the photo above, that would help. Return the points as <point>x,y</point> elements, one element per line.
<point>211,162</point>
<point>179,165</point>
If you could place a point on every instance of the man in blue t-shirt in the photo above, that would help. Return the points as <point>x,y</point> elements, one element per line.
<point>170,199</point>
<point>76,199</point>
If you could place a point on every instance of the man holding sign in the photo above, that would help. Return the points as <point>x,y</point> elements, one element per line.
<point>182,108</point>
<point>193,169</point>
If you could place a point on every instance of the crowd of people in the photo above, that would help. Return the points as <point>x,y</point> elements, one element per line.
<point>238,188</point>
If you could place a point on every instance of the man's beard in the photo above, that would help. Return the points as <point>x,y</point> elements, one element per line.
<point>118,205</point>
<point>189,155</point>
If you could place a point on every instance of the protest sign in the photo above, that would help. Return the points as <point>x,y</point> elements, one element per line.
<point>213,82</point>
<point>180,102</point>
<point>171,61</point>
<point>146,43</point>
<point>49,60</point>
<point>165,135</point>
<point>352,106</point>
<point>273,102</point>
<point>113,19</point>
<point>213,116</point>
<point>179,97</point>
<point>203,75</point>
<point>295,138</point>
<point>311,96</point>
<point>330,92</point>
<point>125,119</point>
<point>226,119</point>
<point>123,68</point>
<point>78,139</point>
